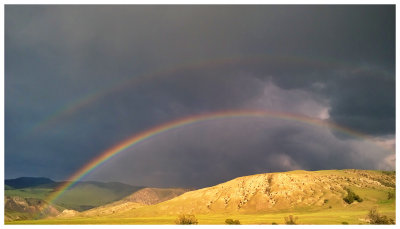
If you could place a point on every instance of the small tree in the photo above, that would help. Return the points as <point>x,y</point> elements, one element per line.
<point>391,195</point>
<point>186,219</point>
<point>231,221</point>
<point>351,197</point>
<point>376,218</point>
<point>291,220</point>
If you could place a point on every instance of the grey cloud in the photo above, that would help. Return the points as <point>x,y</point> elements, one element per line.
<point>291,101</point>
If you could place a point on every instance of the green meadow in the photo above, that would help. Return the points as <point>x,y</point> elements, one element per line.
<point>355,214</point>
<point>38,193</point>
<point>327,217</point>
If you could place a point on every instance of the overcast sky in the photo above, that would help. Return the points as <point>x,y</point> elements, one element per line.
<point>81,79</point>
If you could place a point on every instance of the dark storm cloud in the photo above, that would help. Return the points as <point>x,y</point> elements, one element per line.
<point>366,102</point>
<point>157,35</point>
<point>330,62</point>
<point>361,99</point>
<point>213,152</point>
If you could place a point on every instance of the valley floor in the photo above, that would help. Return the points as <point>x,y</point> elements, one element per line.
<point>329,216</point>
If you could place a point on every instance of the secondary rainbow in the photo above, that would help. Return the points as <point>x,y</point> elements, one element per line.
<point>70,108</point>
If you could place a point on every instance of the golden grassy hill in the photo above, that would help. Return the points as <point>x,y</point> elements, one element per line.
<point>273,192</point>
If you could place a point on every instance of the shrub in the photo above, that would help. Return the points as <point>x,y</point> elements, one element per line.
<point>376,218</point>
<point>326,201</point>
<point>389,172</point>
<point>186,219</point>
<point>351,197</point>
<point>273,223</point>
<point>291,220</point>
<point>391,195</point>
<point>231,221</point>
<point>345,223</point>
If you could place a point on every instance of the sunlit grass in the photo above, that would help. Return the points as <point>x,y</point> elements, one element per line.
<point>329,216</point>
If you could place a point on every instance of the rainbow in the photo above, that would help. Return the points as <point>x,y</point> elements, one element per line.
<point>152,132</point>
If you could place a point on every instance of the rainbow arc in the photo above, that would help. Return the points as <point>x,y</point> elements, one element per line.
<point>164,128</point>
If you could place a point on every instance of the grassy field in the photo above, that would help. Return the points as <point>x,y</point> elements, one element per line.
<point>353,214</point>
<point>38,193</point>
<point>330,216</point>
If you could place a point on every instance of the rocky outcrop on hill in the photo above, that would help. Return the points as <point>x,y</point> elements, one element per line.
<point>149,196</point>
<point>18,208</point>
<point>68,213</point>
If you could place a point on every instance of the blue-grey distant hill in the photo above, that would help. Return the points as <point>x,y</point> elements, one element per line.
<point>25,182</point>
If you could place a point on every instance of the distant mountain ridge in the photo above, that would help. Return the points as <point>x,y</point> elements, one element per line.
<point>24,182</point>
